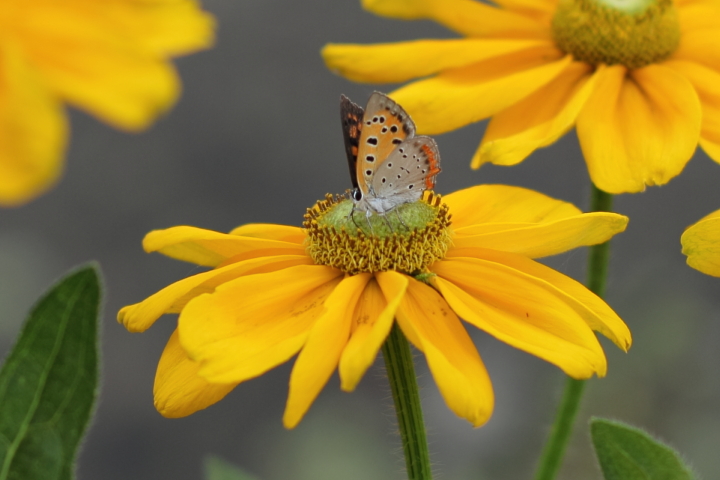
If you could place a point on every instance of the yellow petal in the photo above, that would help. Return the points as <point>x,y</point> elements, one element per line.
<point>179,391</point>
<point>504,204</point>
<point>87,60</point>
<point>255,322</point>
<point>453,359</point>
<point>209,248</point>
<point>32,132</point>
<point>705,81</point>
<point>593,309</point>
<point>701,244</point>
<point>269,231</point>
<point>458,97</point>
<point>173,298</point>
<point>523,311</point>
<point>538,120</point>
<point>393,284</point>
<point>545,239</point>
<point>639,128</point>
<point>695,16</point>
<point>321,353</point>
<point>535,8</point>
<point>399,62</point>
<point>166,27</point>
<point>467,17</point>
<point>372,320</point>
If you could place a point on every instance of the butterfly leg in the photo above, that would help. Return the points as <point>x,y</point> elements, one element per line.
<point>351,216</point>
<point>387,222</point>
<point>400,219</point>
<point>368,214</point>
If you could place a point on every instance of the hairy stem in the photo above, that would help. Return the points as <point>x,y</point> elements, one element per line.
<point>569,405</point>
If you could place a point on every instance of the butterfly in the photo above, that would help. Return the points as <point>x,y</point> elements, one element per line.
<point>389,165</point>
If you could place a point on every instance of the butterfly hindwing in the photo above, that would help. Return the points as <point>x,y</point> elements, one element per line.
<point>351,117</point>
<point>385,125</point>
<point>408,171</point>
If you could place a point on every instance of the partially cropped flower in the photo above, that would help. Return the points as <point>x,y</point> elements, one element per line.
<point>637,78</point>
<point>332,290</point>
<point>701,244</point>
<point>107,57</point>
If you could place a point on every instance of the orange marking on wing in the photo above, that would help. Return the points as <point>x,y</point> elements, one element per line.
<point>434,167</point>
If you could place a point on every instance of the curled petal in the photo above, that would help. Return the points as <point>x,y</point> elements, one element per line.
<point>593,309</point>
<point>451,355</point>
<point>171,299</point>
<point>458,97</point>
<point>523,311</point>
<point>179,391</point>
<point>536,121</point>
<point>209,248</point>
<point>503,204</point>
<point>543,239</point>
<point>638,128</point>
<point>254,323</point>
<point>467,17</point>
<point>403,61</point>
<point>701,244</point>
<point>325,344</point>
<point>372,320</point>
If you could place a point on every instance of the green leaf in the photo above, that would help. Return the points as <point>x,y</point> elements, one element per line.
<point>49,382</point>
<point>627,453</point>
<point>218,469</point>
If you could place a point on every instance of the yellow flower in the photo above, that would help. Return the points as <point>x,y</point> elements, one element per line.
<point>638,79</point>
<point>268,298</point>
<point>108,57</point>
<point>701,244</point>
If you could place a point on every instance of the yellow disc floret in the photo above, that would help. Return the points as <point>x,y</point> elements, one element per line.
<point>407,239</point>
<point>634,33</point>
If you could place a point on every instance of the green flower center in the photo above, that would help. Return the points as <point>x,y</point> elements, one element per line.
<point>408,239</point>
<point>634,33</point>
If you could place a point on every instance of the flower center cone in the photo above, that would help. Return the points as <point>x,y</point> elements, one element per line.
<point>407,239</point>
<point>634,33</point>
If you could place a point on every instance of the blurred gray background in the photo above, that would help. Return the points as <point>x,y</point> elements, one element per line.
<point>256,138</point>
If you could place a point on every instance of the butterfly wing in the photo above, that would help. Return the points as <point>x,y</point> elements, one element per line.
<point>351,116</point>
<point>409,170</point>
<point>385,125</point>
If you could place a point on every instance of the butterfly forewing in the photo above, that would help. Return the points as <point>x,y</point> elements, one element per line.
<point>408,171</point>
<point>385,125</point>
<point>351,116</point>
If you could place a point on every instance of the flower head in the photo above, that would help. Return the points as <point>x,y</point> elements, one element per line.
<point>330,292</point>
<point>701,244</point>
<point>636,78</point>
<point>107,57</point>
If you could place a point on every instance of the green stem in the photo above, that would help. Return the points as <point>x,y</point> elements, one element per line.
<point>401,374</point>
<point>567,411</point>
